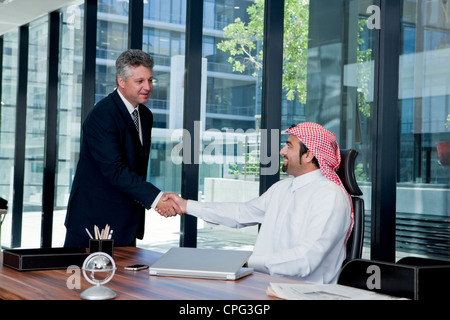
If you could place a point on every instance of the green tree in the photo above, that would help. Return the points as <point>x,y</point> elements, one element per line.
<point>364,71</point>
<point>241,43</point>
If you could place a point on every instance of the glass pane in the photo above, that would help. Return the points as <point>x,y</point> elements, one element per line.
<point>339,81</point>
<point>164,40</point>
<point>35,132</point>
<point>112,40</point>
<point>423,192</point>
<point>7,129</point>
<point>230,114</point>
<point>69,113</point>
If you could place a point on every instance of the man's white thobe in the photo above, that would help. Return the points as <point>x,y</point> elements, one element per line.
<point>304,224</point>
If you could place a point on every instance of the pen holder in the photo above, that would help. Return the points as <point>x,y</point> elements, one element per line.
<point>103,245</point>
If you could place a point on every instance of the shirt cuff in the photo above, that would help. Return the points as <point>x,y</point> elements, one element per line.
<point>192,206</point>
<point>258,263</point>
<point>158,197</point>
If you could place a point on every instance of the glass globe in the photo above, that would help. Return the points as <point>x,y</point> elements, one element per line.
<point>98,269</point>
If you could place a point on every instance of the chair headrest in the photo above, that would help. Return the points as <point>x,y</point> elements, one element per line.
<point>346,171</point>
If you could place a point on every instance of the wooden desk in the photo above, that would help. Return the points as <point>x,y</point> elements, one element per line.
<point>132,285</point>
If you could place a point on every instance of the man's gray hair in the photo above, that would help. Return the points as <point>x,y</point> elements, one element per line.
<point>132,58</point>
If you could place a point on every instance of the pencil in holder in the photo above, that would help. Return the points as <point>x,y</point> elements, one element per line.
<point>102,245</point>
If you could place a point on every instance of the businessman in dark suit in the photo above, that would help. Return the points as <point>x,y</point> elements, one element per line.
<point>110,184</point>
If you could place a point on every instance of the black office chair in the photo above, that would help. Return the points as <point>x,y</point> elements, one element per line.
<point>346,173</point>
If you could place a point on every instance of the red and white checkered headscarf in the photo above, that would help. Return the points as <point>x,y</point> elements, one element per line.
<point>323,145</point>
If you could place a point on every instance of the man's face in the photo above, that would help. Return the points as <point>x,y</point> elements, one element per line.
<point>138,87</point>
<point>291,156</point>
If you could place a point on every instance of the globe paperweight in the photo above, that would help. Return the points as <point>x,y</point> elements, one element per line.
<point>98,269</point>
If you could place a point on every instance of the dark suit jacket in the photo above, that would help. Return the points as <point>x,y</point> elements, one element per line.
<point>110,184</point>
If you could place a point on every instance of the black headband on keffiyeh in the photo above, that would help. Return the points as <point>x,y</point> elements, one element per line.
<point>323,145</point>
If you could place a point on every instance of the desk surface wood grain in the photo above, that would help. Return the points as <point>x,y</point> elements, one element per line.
<point>132,285</point>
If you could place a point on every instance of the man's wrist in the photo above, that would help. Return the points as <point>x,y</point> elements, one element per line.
<point>156,201</point>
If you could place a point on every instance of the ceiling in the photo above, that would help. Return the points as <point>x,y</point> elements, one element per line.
<point>20,12</point>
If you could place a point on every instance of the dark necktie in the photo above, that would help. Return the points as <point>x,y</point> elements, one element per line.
<point>136,119</point>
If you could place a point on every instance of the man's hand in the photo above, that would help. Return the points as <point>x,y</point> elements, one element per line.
<point>167,207</point>
<point>178,205</point>
<point>182,203</point>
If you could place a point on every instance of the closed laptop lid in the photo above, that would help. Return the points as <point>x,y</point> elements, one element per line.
<point>202,263</point>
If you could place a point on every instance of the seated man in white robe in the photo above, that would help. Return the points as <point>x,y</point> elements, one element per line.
<point>305,219</point>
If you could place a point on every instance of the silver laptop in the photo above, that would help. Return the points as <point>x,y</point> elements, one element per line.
<point>202,263</point>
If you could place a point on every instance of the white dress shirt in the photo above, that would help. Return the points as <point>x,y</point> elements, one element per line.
<point>131,109</point>
<point>304,220</point>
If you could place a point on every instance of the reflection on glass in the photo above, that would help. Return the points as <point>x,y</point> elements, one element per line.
<point>423,192</point>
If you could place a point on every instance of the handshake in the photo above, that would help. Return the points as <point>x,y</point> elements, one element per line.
<point>171,204</point>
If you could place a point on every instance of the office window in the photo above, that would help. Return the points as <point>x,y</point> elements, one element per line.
<point>69,113</point>
<point>423,192</point>
<point>113,8</point>
<point>328,77</point>
<point>164,39</point>
<point>339,81</point>
<point>165,11</point>
<point>112,40</point>
<point>295,62</point>
<point>35,131</point>
<point>230,112</point>
<point>7,126</point>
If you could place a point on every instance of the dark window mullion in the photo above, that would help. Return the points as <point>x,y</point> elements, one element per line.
<point>19,149</point>
<point>89,56</point>
<point>385,132</point>
<point>272,89</point>
<point>192,98</point>
<point>51,123</point>
<point>135,24</point>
